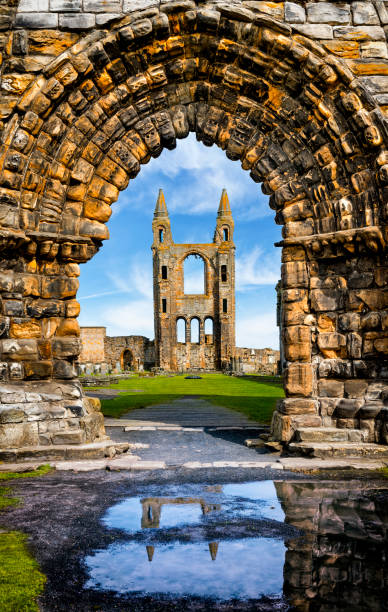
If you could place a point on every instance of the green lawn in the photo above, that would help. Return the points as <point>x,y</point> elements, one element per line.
<point>256,400</point>
<point>21,581</point>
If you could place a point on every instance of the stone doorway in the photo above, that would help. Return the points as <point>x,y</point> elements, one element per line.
<point>128,362</point>
<point>272,92</point>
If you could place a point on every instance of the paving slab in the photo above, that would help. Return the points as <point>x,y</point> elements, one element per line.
<point>189,412</point>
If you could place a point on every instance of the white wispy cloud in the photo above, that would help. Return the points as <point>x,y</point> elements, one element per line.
<point>255,268</point>
<point>210,171</point>
<point>96,295</point>
<point>257,330</point>
<point>135,317</point>
<point>136,279</point>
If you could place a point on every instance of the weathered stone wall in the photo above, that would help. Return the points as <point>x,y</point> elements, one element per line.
<point>92,344</point>
<point>263,361</point>
<point>141,348</point>
<point>340,562</point>
<point>296,91</point>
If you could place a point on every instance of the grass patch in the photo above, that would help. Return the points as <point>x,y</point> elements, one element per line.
<point>255,399</point>
<point>21,581</point>
<point>40,471</point>
<point>20,578</point>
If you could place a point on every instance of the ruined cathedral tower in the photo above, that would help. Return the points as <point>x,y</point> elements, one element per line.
<point>208,319</point>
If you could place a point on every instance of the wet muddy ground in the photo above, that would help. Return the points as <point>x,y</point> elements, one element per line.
<point>206,540</point>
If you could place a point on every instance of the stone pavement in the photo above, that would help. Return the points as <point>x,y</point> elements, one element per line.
<point>188,411</point>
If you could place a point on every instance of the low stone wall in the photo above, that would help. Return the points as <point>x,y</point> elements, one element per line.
<point>263,361</point>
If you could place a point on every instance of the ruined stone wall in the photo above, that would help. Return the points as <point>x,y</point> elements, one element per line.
<point>297,91</point>
<point>263,361</point>
<point>92,345</point>
<point>142,351</point>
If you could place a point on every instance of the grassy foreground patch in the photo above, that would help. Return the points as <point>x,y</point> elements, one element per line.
<point>255,399</point>
<point>21,581</point>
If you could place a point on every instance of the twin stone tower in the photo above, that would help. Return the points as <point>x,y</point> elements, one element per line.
<point>212,313</point>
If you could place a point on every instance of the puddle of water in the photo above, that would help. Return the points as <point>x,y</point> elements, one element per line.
<point>243,541</point>
<point>242,569</point>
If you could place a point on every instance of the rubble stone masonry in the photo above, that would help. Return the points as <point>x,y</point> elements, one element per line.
<point>296,91</point>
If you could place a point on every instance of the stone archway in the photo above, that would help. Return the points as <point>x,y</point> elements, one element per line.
<point>78,128</point>
<point>128,362</point>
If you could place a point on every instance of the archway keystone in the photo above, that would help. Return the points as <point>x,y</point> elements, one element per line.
<point>89,97</point>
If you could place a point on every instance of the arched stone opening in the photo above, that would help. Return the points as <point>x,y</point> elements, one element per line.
<point>195,330</point>
<point>128,361</point>
<point>194,274</point>
<point>181,330</point>
<point>295,116</point>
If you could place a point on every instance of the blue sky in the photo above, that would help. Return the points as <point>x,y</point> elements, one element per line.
<point>116,285</point>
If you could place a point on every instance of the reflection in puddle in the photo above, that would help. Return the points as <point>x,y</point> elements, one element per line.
<point>241,569</point>
<point>240,541</point>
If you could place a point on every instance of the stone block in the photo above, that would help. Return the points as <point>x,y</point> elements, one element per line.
<point>371,321</point>
<point>25,329</point>
<point>374,49</point>
<point>281,427</point>
<point>364,13</point>
<point>63,348</point>
<point>294,13</point>
<point>11,414</point>
<point>63,369</point>
<point>65,6</point>
<point>93,426</point>
<point>19,349</point>
<point>349,321</point>
<point>35,370</point>
<point>328,406</point>
<point>335,368</point>
<point>327,300</point>
<point>129,6</point>
<point>104,18</point>
<point>76,436</point>
<point>370,410</point>
<point>297,343</point>
<point>294,274</point>
<point>368,426</point>
<point>41,21</point>
<point>327,12</point>
<point>355,388</point>
<point>275,9</point>
<point>315,31</point>
<point>292,406</point>
<point>359,33</point>
<point>14,435</point>
<point>59,287</point>
<point>75,21</point>
<point>92,404</point>
<point>298,379</point>
<point>108,6</point>
<point>354,345</point>
<point>348,408</point>
<point>33,6</point>
<point>331,388</point>
<point>331,340</point>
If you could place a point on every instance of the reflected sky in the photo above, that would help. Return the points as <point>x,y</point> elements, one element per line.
<point>255,499</point>
<point>243,569</point>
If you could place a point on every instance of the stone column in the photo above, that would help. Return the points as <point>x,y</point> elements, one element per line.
<point>41,397</point>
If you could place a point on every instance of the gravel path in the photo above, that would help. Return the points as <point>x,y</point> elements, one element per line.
<point>204,433</point>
